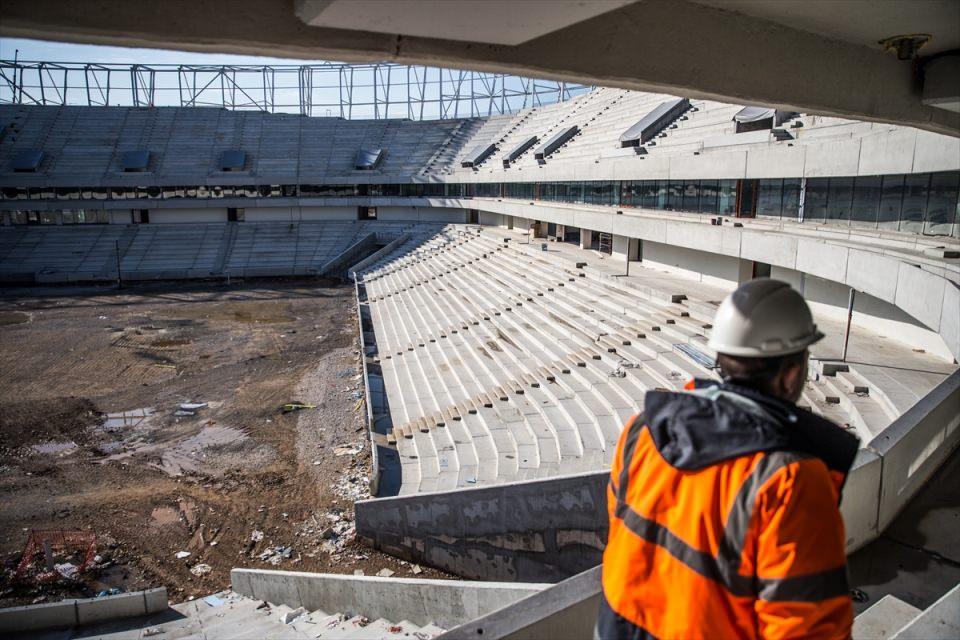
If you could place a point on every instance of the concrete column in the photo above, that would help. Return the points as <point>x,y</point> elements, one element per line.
<point>625,248</point>
<point>539,229</point>
<point>745,271</point>
<point>586,238</point>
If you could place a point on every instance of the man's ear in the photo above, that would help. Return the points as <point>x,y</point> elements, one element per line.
<point>793,377</point>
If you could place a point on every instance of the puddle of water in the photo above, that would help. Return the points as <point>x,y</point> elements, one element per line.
<point>110,447</point>
<point>188,454</point>
<point>54,447</point>
<point>127,419</point>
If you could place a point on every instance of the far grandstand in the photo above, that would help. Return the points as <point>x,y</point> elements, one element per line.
<point>519,280</point>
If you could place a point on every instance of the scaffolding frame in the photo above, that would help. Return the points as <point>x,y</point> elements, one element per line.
<point>330,89</point>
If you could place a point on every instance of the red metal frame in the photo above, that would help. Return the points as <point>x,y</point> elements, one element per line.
<point>60,541</point>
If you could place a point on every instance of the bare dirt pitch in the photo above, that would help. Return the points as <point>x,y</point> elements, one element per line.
<point>240,483</point>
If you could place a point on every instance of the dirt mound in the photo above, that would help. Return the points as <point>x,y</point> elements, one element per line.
<point>34,422</point>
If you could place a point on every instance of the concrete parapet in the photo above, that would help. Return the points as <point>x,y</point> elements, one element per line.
<point>73,613</point>
<point>915,445</point>
<point>566,610</point>
<point>537,530</point>
<point>445,603</point>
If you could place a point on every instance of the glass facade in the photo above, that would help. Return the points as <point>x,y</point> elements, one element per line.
<point>916,203</point>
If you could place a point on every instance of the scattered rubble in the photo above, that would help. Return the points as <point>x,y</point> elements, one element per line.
<point>180,555</point>
<point>385,573</point>
<point>200,569</point>
<point>290,616</point>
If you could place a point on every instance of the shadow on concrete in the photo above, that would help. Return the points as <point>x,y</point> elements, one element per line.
<point>917,558</point>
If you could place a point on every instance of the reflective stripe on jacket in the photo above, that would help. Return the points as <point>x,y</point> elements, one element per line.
<point>725,521</point>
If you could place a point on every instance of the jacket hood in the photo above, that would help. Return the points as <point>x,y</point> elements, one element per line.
<point>717,422</point>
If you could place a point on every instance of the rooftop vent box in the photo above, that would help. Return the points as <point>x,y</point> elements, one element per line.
<point>477,155</point>
<point>27,161</point>
<point>233,160</point>
<point>133,161</point>
<point>368,159</point>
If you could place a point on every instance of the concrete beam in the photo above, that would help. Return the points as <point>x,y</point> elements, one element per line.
<point>676,47</point>
<point>73,613</point>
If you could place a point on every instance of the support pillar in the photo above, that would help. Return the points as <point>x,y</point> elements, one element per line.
<point>586,238</point>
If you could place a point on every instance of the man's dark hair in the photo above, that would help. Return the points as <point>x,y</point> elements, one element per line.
<point>756,373</point>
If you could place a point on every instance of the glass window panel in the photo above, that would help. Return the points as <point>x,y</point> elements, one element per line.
<point>915,196</point>
<point>709,196</point>
<point>866,201</point>
<point>815,200</point>
<point>49,217</point>
<point>69,216</point>
<point>769,198</point>
<point>891,202</point>
<point>839,200</point>
<point>942,205</point>
<point>574,192</point>
<point>648,194</point>
<point>728,197</point>
<point>691,197</point>
<point>18,217</point>
<point>610,193</point>
<point>791,199</point>
<point>673,196</point>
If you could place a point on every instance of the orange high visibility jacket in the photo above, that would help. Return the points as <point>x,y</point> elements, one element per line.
<point>725,521</point>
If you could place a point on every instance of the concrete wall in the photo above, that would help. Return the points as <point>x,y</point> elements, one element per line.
<point>541,530</point>
<point>351,255</point>
<point>423,214</point>
<point>76,613</point>
<point>490,219</point>
<point>284,214</point>
<point>170,216</point>
<point>829,299</point>
<point>565,610</point>
<point>446,603</point>
<point>713,268</point>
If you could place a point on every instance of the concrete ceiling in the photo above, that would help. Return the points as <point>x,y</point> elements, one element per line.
<point>859,22</point>
<point>509,22</point>
<point>814,56</point>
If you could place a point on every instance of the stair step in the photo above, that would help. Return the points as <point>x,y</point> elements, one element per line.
<point>883,619</point>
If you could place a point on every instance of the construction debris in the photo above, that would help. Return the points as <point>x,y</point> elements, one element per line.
<point>296,406</point>
<point>201,569</point>
<point>180,555</point>
<point>275,555</point>
<point>385,573</point>
<point>290,616</point>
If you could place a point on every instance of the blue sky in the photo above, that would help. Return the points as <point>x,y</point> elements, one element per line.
<point>326,95</point>
<point>37,50</point>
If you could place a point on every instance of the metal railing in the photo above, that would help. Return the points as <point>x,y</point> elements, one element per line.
<point>353,91</point>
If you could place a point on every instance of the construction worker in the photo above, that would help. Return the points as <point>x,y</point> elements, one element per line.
<point>724,500</point>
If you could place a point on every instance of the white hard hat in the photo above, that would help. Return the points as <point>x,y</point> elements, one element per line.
<point>763,318</point>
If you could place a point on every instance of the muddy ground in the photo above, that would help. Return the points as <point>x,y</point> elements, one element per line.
<point>90,382</point>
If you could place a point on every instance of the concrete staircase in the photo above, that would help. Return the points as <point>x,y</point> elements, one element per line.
<point>893,618</point>
<point>242,617</point>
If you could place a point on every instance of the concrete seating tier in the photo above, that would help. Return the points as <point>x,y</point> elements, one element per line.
<point>497,372</point>
<point>186,250</point>
<point>503,363</point>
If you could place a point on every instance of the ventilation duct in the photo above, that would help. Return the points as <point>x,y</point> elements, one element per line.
<point>654,122</point>
<point>478,155</point>
<point>555,142</point>
<point>519,150</point>
<point>367,159</point>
